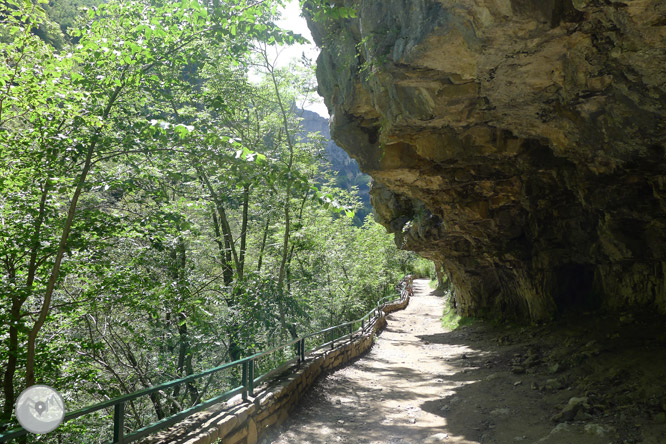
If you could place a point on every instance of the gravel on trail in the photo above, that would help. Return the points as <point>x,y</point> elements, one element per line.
<point>587,378</point>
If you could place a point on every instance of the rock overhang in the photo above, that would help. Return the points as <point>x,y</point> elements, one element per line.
<point>520,144</point>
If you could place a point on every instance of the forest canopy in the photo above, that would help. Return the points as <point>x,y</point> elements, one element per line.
<point>160,212</point>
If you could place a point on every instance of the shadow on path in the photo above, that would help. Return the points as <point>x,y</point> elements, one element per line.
<point>489,384</point>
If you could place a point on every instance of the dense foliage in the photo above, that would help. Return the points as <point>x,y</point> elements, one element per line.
<point>158,210</point>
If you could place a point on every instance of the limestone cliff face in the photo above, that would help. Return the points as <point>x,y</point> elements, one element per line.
<point>520,143</point>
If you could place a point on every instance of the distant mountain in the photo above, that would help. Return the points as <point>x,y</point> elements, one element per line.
<point>347,172</point>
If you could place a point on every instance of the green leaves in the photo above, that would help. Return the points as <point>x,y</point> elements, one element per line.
<point>342,12</point>
<point>191,177</point>
<point>321,10</point>
<point>250,156</point>
<point>183,130</point>
<point>329,202</point>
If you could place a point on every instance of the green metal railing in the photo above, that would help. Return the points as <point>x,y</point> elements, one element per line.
<point>249,381</point>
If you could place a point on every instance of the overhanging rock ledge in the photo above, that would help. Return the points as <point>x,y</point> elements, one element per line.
<point>520,143</point>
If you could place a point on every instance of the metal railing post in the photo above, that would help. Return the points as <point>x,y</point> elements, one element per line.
<point>250,381</point>
<point>118,423</point>
<point>247,378</point>
<point>244,380</point>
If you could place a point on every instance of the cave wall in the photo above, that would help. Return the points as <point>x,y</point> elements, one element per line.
<point>520,143</point>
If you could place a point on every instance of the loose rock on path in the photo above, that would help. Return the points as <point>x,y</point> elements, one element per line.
<point>578,381</point>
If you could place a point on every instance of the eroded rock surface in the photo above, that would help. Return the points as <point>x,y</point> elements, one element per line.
<point>520,143</point>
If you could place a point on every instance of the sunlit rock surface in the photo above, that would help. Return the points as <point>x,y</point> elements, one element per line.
<point>521,143</point>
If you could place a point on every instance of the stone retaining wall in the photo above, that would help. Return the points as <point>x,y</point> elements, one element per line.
<point>245,422</point>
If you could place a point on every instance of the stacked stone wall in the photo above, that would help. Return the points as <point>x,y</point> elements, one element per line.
<point>246,421</point>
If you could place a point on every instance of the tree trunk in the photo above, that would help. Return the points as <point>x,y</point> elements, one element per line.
<point>263,244</point>
<point>243,239</point>
<point>223,220</point>
<point>185,358</point>
<point>12,359</point>
<point>287,195</point>
<point>225,255</point>
<point>291,251</point>
<point>55,271</point>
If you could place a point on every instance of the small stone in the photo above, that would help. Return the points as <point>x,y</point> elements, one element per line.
<point>560,428</point>
<point>553,384</point>
<point>439,437</point>
<point>581,415</point>
<point>554,368</point>
<point>580,4</point>
<point>517,383</point>
<point>531,361</point>
<point>596,430</point>
<point>572,408</point>
<point>341,421</point>
<point>627,318</point>
<point>412,420</point>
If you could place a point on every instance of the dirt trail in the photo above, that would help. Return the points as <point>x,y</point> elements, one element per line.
<point>385,397</point>
<point>483,384</point>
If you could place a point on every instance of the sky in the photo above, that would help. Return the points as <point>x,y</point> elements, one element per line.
<point>293,21</point>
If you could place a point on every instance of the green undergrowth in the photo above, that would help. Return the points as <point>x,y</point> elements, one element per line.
<point>451,320</point>
<point>423,269</point>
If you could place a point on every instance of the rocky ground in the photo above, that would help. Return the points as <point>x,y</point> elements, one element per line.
<point>582,379</point>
